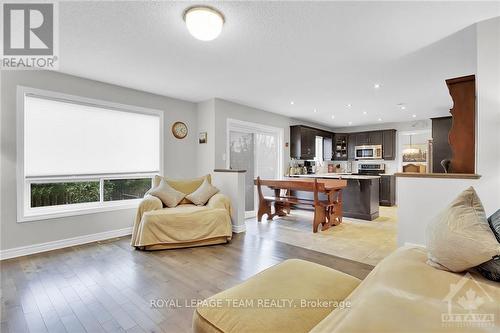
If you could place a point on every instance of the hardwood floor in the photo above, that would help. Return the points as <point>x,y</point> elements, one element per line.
<point>108,286</point>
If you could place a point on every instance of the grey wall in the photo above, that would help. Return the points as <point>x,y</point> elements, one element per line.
<point>180,155</point>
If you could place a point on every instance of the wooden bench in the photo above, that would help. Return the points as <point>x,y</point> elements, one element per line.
<point>326,212</point>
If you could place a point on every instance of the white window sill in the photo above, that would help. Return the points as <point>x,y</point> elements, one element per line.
<point>54,212</point>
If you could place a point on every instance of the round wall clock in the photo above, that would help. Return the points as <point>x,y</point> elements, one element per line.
<point>179,130</point>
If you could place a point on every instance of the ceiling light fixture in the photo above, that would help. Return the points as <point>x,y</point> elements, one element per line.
<point>365,113</point>
<point>376,85</point>
<point>414,116</point>
<point>403,107</point>
<point>349,105</point>
<point>333,117</point>
<point>292,102</point>
<point>379,119</point>
<point>315,110</point>
<point>203,22</point>
<point>350,123</point>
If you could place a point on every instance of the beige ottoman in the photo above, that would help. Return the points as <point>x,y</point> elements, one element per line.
<point>283,298</point>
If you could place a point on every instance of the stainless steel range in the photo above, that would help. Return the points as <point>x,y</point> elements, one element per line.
<point>367,168</point>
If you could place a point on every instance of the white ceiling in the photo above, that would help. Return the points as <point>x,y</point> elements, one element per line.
<point>321,55</point>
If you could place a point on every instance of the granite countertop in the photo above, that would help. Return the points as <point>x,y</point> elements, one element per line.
<point>337,176</point>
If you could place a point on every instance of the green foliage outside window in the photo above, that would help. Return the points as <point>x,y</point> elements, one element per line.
<point>52,194</point>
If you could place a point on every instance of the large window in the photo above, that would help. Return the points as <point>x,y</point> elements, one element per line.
<point>77,155</point>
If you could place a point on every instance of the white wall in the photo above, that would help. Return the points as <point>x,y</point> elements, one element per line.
<point>180,155</point>
<point>422,198</point>
<point>206,123</point>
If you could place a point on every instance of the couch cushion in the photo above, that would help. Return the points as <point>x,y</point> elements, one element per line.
<point>404,294</point>
<point>167,194</point>
<point>202,193</point>
<point>185,186</point>
<point>242,308</point>
<point>460,237</point>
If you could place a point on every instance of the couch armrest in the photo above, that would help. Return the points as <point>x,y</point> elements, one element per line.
<point>220,200</point>
<point>147,204</point>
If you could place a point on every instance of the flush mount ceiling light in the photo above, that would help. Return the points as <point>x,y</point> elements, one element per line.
<point>203,23</point>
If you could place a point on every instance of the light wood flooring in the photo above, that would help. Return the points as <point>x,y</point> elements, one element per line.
<point>359,240</point>
<point>108,286</point>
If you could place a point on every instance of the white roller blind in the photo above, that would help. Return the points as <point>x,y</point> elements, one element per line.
<point>64,138</point>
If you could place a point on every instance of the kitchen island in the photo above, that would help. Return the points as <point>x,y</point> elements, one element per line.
<point>360,197</point>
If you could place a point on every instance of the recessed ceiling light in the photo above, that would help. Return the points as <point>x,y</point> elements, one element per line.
<point>203,22</point>
<point>292,102</point>
<point>376,85</point>
<point>349,105</point>
<point>315,110</point>
<point>414,116</point>
<point>349,123</point>
<point>364,112</point>
<point>403,107</point>
<point>379,119</point>
<point>333,117</point>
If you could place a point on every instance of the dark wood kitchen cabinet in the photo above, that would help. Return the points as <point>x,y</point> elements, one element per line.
<point>362,139</point>
<point>387,190</point>
<point>369,138</point>
<point>386,138</point>
<point>303,142</point>
<point>389,144</point>
<point>340,147</point>
<point>375,138</point>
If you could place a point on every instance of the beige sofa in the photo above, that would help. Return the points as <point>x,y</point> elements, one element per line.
<point>401,294</point>
<point>157,227</point>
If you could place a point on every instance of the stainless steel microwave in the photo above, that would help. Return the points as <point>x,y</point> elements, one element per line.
<point>368,152</point>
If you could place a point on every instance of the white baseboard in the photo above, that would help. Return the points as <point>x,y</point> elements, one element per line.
<point>239,228</point>
<point>59,244</point>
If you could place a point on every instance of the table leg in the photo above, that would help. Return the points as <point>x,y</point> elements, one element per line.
<point>279,207</point>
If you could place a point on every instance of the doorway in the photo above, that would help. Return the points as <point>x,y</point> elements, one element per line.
<point>258,149</point>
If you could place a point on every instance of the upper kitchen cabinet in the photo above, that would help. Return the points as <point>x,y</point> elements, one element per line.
<point>303,142</point>
<point>386,138</point>
<point>340,147</point>
<point>376,138</point>
<point>389,144</point>
<point>362,139</point>
<point>369,138</point>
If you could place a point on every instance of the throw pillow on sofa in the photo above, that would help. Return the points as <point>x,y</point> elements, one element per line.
<point>167,194</point>
<point>186,186</point>
<point>202,194</point>
<point>460,237</point>
<point>491,269</point>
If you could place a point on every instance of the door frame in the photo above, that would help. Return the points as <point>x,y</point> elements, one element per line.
<point>255,128</point>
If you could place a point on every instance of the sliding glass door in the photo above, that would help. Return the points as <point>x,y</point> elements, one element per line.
<point>257,149</point>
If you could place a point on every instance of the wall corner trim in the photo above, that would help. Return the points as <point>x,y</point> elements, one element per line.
<point>59,244</point>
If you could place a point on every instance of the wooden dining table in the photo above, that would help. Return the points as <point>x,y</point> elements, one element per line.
<point>327,213</point>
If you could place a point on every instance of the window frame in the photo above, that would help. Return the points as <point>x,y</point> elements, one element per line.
<point>26,213</point>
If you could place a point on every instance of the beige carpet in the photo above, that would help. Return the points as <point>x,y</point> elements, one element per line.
<point>363,241</point>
